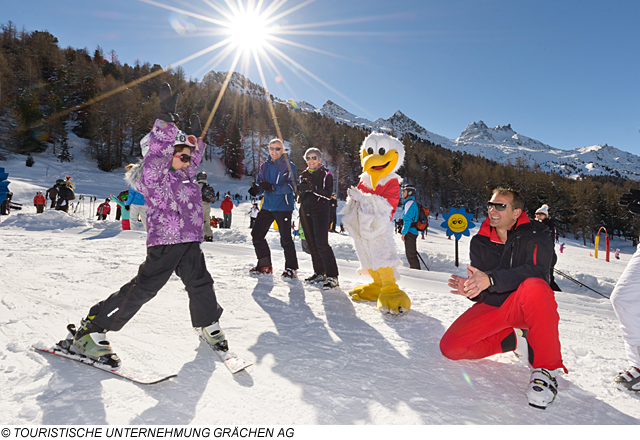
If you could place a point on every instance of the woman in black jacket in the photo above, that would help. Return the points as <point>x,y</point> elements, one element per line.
<point>315,188</point>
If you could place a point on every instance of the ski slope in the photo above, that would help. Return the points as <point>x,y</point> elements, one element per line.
<point>319,358</point>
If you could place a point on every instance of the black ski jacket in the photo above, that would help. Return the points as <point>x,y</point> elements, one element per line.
<point>526,254</point>
<point>320,182</point>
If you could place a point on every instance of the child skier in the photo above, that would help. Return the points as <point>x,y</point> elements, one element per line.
<point>174,225</point>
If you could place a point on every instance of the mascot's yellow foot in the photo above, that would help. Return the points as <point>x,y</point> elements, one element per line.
<point>368,292</point>
<point>392,299</point>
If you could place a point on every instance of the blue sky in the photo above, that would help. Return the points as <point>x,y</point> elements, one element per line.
<point>562,72</point>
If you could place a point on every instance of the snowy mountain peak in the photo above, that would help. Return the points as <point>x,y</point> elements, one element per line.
<point>330,107</point>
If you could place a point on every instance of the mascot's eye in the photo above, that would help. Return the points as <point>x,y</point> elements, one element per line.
<point>381,152</point>
<point>370,150</point>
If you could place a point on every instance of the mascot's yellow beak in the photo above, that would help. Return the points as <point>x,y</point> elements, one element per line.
<point>378,166</point>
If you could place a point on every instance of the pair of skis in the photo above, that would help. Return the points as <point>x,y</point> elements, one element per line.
<point>232,361</point>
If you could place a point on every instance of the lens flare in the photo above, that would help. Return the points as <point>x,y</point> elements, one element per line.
<point>467,378</point>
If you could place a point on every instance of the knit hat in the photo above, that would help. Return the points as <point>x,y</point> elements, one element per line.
<point>544,209</point>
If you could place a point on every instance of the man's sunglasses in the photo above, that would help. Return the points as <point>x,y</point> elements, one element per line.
<point>185,158</point>
<point>497,206</point>
<point>275,148</point>
<point>312,157</point>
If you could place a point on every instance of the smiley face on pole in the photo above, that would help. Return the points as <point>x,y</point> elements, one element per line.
<point>457,222</point>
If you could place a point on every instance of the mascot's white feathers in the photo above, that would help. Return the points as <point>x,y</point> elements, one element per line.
<point>366,217</point>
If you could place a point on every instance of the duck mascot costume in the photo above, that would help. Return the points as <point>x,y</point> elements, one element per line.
<point>367,218</point>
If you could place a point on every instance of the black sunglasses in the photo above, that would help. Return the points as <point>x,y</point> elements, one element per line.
<point>312,157</point>
<point>275,148</point>
<point>185,158</point>
<point>497,206</point>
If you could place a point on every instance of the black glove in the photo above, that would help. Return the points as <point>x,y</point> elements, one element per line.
<point>254,190</point>
<point>127,207</point>
<point>268,187</point>
<point>305,187</point>
<point>167,104</point>
<point>194,122</point>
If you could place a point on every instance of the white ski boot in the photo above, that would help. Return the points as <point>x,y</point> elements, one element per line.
<point>215,337</point>
<point>91,341</point>
<point>628,379</point>
<point>543,388</point>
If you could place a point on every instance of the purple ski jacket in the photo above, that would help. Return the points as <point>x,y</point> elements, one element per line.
<point>173,202</point>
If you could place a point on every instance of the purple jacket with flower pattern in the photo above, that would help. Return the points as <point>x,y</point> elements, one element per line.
<point>173,203</point>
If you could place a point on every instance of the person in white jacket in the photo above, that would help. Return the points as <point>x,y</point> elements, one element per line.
<point>625,300</point>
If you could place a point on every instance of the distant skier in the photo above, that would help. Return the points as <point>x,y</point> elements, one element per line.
<point>104,209</point>
<point>65,194</point>
<point>227,206</point>
<point>174,233</point>
<point>135,204</point>
<point>126,224</point>
<point>508,281</point>
<point>39,202</point>
<point>625,300</point>
<point>52,194</point>
<point>253,214</point>
<point>208,196</point>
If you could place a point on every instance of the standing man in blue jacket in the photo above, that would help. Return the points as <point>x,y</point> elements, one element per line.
<point>409,230</point>
<point>275,180</point>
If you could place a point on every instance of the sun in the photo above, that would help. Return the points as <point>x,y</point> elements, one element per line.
<point>248,30</point>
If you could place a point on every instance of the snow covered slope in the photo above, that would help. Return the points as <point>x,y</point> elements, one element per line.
<point>319,358</point>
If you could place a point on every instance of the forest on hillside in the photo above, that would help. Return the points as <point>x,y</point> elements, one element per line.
<point>45,90</point>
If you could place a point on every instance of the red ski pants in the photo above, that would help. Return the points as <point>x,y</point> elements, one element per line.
<point>480,331</point>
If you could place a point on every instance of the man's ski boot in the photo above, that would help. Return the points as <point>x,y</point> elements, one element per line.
<point>629,379</point>
<point>90,341</point>
<point>215,337</point>
<point>543,388</point>
<point>316,278</point>
<point>330,283</point>
<point>289,273</point>
<point>264,270</point>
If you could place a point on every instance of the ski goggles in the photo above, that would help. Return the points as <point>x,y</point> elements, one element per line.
<point>185,158</point>
<point>497,206</point>
<point>183,138</point>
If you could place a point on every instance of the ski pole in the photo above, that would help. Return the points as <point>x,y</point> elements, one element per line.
<point>425,264</point>
<point>577,282</point>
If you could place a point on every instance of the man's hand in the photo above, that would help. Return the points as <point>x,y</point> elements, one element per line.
<point>402,236</point>
<point>477,282</point>
<point>457,283</point>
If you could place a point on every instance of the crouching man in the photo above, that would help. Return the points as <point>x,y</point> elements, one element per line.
<point>509,282</point>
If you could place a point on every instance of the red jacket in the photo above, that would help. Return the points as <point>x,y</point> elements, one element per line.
<point>226,205</point>
<point>104,208</point>
<point>39,200</point>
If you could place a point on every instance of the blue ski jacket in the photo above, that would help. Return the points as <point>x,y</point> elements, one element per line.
<point>277,173</point>
<point>409,216</point>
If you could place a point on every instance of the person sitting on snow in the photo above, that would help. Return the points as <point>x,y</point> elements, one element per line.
<point>508,280</point>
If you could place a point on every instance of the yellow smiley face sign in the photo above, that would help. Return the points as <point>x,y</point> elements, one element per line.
<point>457,223</point>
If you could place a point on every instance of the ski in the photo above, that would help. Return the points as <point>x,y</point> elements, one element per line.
<point>231,360</point>
<point>120,372</point>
